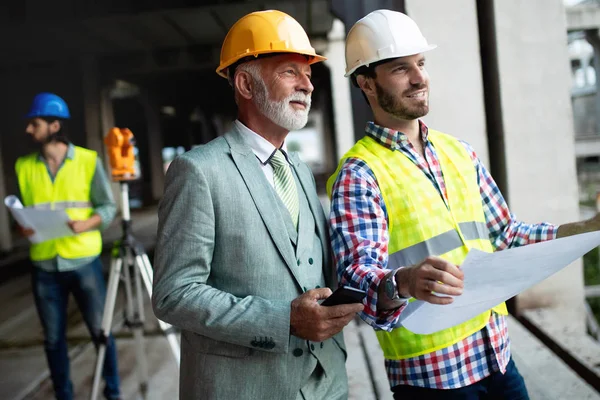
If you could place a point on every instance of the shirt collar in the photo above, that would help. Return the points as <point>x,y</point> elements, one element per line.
<point>261,147</point>
<point>70,153</point>
<point>391,138</point>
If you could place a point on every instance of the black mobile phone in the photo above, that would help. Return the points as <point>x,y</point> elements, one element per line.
<point>344,295</point>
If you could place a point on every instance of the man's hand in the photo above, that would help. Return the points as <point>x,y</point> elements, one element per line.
<point>432,275</point>
<point>576,228</point>
<point>78,226</point>
<point>26,232</point>
<point>309,320</point>
<point>89,224</point>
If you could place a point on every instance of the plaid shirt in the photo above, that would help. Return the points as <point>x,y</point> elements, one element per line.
<point>358,222</point>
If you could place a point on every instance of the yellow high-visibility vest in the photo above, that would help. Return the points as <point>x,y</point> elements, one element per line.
<point>420,224</point>
<point>69,191</point>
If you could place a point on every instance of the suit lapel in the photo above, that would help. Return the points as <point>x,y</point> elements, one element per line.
<point>262,196</point>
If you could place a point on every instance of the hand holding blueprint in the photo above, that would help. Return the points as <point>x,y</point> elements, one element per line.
<point>491,278</point>
<point>47,224</point>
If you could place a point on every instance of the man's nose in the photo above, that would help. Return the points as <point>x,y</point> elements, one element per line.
<point>29,129</point>
<point>305,85</point>
<point>418,75</point>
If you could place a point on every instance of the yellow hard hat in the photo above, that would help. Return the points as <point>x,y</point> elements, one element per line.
<point>264,32</point>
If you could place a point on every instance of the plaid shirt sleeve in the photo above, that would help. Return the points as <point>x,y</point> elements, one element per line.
<point>505,230</point>
<point>358,224</point>
<point>101,196</point>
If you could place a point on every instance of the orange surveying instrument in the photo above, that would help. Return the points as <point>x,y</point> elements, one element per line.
<point>129,264</point>
<point>119,143</point>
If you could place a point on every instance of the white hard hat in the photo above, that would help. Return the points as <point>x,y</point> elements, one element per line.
<point>380,35</point>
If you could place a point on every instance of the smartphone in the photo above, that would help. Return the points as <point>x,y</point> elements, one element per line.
<point>344,295</point>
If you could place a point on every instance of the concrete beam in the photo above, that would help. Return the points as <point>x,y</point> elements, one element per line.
<point>592,291</point>
<point>588,147</point>
<point>161,61</point>
<point>583,17</point>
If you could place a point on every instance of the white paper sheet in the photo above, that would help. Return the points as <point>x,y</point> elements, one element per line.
<point>47,224</point>
<point>491,278</point>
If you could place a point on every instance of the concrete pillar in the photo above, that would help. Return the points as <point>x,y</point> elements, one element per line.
<point>350,11</point>
<point>107,121</point>
<point>155,144</point>
<point>539,139</point>
<point>91,104</point>
<point>340,88</point>
<point>456,88</point>
<point>5,231</point>
<point>593,39</point>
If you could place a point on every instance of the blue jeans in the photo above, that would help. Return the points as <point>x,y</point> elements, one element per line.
<point>507,386</point>
<point>51,291</point>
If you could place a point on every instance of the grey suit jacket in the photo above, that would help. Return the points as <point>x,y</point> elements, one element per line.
<point>225,272</point>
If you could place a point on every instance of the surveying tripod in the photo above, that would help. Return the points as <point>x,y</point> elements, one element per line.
<point>130,253</point>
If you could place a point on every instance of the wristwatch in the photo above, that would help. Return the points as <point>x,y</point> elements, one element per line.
<point>391,288</point>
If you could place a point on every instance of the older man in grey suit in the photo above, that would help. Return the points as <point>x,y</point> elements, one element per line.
<point>243,256</point>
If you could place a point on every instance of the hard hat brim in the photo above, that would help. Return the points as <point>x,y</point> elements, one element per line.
<point>38,115</point>
<point>404,54</point>
<point>312,58</point>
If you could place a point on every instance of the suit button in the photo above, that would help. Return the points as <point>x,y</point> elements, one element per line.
<point>312,346</point>
<point>310,261</point>
<point>298,262</point>
<point>321,344</point>
<point>317,287</point>
<point>297,352</point>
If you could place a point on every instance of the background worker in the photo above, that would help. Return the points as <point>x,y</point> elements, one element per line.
<point>242,256</point>
<point>58,176</point>
<point>408,202</point>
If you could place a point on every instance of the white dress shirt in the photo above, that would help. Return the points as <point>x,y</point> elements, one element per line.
<point>261,147</point>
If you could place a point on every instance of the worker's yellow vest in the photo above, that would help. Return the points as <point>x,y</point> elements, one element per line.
<point>69,191</point>
<point>420,225</point>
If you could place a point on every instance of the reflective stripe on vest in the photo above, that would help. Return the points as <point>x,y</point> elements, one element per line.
<point>421,223</point>
<point>70,191</point>
<point>440,244</point>
<point>62,205</point>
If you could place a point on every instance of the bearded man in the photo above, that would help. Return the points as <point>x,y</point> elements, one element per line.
<point>62,176</point>
<point>242,257</point>
<point>408,203</point>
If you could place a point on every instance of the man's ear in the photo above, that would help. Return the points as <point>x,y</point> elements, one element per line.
<point>366,84</point>
<point>243,84</point>
<point>54,126</point>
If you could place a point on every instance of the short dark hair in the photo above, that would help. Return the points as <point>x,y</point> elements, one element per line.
<point>62,134</point>
<point>369,72</point>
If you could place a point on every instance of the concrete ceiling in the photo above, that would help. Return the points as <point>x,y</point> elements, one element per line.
<point>30,36</point>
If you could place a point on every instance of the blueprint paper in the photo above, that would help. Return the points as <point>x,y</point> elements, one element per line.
<point>47,224</point>
<point>491,278</point>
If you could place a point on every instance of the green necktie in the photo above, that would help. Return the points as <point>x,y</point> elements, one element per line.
<point>285,185</point>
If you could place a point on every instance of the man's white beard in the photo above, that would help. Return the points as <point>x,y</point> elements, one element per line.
<point>281,112</point>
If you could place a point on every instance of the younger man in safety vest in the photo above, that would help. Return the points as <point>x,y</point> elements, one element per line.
<point>63,176</point>
<point>408,203</point>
